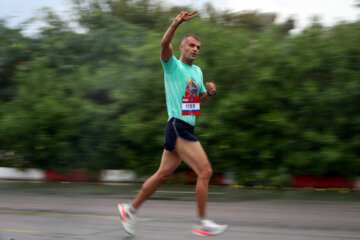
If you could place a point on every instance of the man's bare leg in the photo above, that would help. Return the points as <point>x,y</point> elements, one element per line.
<point>195,157</point>
<point>169,162</point>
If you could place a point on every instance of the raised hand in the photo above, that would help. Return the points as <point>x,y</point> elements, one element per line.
<point>185,16</point>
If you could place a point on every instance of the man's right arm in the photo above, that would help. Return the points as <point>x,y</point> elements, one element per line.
<point>166,48</point>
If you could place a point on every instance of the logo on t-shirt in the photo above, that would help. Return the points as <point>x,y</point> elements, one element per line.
<point>191,89</point>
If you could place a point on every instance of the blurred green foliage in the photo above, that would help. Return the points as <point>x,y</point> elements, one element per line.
<point>94,98</point>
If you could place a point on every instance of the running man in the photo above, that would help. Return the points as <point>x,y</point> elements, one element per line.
<point>185,90</point>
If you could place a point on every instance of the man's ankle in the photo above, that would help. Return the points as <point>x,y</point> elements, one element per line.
<point>132,209</point>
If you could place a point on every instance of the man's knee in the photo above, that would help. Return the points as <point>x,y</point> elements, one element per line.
<point>205,173</point>
<point>163,177</point>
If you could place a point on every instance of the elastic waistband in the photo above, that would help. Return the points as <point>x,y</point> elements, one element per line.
<point>181,122</point>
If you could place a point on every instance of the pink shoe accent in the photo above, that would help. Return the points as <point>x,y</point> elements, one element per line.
<point>202,233</point>
<point>123,213</point>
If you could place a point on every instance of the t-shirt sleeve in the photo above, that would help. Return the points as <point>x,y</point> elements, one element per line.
<point>202,86</point>
<point>170,65</point>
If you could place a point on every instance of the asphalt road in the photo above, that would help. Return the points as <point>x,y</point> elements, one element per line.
<point>47,211</point>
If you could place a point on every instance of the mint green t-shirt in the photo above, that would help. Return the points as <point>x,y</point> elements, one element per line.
<point>181,80</point>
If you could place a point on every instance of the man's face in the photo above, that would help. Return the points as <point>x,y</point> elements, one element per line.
<point>190,48</point>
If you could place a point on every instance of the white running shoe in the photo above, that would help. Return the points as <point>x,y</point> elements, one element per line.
<point>127,219</point>
<point>208,228</point>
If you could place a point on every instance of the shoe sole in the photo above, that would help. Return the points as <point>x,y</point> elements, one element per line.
<point>207,234</point>
<point>121,209</point>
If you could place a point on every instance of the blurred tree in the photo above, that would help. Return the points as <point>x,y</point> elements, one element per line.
<point>254,21</point>
<point>286,104</point>
<point>288,25</point>
<point>13,52</point>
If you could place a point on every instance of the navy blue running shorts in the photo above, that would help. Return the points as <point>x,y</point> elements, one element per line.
<point>178,128</point>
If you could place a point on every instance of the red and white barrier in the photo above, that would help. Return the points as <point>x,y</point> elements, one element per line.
<point>322,182</point>
<point>188,177</point>
<point>18,174</point>
<point>117,176</point>
<point>49,175</point>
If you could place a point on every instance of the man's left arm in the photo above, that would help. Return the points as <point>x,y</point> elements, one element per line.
<point>205,97</point>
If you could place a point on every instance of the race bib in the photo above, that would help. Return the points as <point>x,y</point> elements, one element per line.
<point>190,106</point>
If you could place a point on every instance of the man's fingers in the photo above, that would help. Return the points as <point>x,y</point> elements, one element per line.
<point>210,86</point>
<point>188,16</point>
<point>192,13</point>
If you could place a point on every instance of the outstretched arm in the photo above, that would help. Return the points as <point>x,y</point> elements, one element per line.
<point>166,48</point>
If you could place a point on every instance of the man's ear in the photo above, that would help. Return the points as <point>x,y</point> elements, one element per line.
<point>181,46</point>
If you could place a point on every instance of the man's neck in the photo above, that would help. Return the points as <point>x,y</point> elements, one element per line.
<point>186,62</point>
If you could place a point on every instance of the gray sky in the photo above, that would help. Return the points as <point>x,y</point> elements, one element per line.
<point>16,11</point>
<point>329,11</point>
